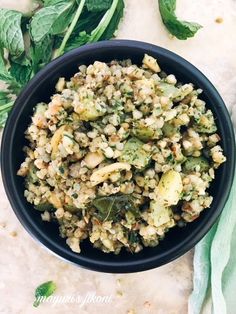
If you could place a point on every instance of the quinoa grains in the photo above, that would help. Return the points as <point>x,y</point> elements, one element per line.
<point>121,154</point>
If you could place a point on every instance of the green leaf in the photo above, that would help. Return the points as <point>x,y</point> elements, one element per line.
<point>180,29</point>
<point>133,237</point>
<point>114,206</point>
<point>22,59</point>
<point>4,74</point>
<point>4,97</point>
<point>98,5</point>
<point>11,36</point>
<point>114,23</point>
<point>6,77</point>
<point>64,20</point>
<point>21,73</point>
<point>51,20</point>
<point>78,41</point>
<point>48,3</point>
<point>103,26</point>
<point>44,291</point>
<point>41,53</point>
<point>80,35</point>
<point>5,106</point>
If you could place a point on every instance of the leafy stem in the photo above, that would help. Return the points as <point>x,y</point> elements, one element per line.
<point>99,30</point>
<point>7,106</point>
<point>60,50</point>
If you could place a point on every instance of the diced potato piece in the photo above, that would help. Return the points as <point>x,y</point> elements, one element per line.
<point>60,84</point>
<point>168,90</point>
<point>103,174</point>
<point>160,214</point>
<point>88,111</point>
<point>151,63</point>
<point>169,188</point>
<point>55,201</point>
<point>142,132</point>
<point>134,154</point>
<point>56,138</point>
<point>92,160</point>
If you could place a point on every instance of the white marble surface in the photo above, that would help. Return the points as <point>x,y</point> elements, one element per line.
<point>24,264</point>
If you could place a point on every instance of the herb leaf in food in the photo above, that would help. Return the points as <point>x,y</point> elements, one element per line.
<point>114,206</point>
<point>44,291</point>
<point>133,237</point>
<point>180,29</point>
<point>11,36</point>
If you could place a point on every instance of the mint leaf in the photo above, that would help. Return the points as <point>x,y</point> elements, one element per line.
<point>50,20</point>
<point>4,74</point>
<point>22,59</point>
<point>180,29</point>
<point>77,41</point>
<point>21,73</point>
<point>47,3</point>
<point>5,106</point>
<point>4,97</point>
<point>11,36</point>
<point>114,23</point>
<point>41,53</point>
<point>87,22</point>
<point>65,18</point>
<point>98,32</point>
<point>114,206</point>
<point>105,26</point>
<point>98,5</point>
<point>44,291</point>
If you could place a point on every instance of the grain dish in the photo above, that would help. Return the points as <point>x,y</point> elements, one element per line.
<point>121,154</point>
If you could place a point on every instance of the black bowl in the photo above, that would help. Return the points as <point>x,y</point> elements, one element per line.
<point>41,87</point>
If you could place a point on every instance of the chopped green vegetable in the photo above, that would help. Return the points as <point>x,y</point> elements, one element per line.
<point>44,207</point>
<point>32,177</point>
<point>169,129</point>
<point>142,132</point>
<point>205,123</point>
<point>193,163</point>
<point>180,29</point>
<point>114,206</point>
<point>72,209</point>
<point>44,291</point>
<point>134,154</point>
<point>133,237</point>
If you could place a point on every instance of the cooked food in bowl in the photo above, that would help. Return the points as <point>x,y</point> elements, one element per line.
<point>121,154</point>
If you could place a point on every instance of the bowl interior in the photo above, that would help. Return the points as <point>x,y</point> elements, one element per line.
<point>177,241</point>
